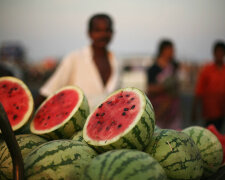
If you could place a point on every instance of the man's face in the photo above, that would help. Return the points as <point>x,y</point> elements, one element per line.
<point>101,33</point>
<point>219,54</point>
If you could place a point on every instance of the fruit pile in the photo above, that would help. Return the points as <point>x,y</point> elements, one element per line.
<point>117,141</point>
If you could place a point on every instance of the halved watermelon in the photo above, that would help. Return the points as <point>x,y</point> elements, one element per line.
<point>61,114</point>
<point>16,100</point>
<point>124,120</point>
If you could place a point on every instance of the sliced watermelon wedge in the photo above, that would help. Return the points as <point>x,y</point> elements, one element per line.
<point>61,114</point>
<point>123,120</point>
<point>17,101</point>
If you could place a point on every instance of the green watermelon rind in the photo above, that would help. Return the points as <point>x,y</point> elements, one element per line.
<point>209,146</point>
<point>177,154</point>
<point>78,136</point>
<point>28,114</point>
<point>137,136</point>
<point>70,125</point>
<point>58,159</point>
<point>27,142</point>
<point>124,164</point>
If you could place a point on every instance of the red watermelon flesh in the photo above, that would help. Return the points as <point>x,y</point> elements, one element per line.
<point>113,116</point>
<point>15,101</point>
<point>56,109</point>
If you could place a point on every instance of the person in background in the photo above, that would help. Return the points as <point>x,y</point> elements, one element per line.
<point>94,68</point>
<point>162,88</point>
<point>210,89</point>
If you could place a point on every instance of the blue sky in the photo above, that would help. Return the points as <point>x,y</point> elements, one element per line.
<point>56,27</point>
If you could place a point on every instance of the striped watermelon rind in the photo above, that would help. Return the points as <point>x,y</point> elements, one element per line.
<point>177,154</point>
<point>78,136</point>
<point>70,125</point>
<point>209,146</point>
<point>124,164</point>
<point>137,135</point>
<point>27,142</point>
<point>58,159</point>
<point>29,112</point>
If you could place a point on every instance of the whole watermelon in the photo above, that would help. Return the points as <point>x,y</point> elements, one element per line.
<point>177,154</point>
<point>26,142</point>
<point>209,146</point>
<point>58,159</point>
<point>124,164</point>
<point>78,136</point>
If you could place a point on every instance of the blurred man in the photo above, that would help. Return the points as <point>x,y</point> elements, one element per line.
<point>210,88</point>
<point>93,68</point>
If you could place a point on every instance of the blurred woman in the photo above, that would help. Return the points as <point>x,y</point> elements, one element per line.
<point>163,88</point>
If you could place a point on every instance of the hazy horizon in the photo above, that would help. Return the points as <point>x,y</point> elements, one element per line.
<point>54,28</point>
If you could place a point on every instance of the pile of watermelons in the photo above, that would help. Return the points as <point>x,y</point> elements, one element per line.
<point>117,141</point>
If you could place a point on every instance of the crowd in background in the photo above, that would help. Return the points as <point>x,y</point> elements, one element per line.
<point>162,77</point>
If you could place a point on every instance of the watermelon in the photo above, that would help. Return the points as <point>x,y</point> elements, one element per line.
<point>27,142</point>
<point>209,147</point>
<point>124,164</point>
<point>220,137</point>
<point>78,136</point>
<point>61,114</point>
<point>177,154</point>
<point>58,159</point>
<point>17,101</point>
<point>125,119</point>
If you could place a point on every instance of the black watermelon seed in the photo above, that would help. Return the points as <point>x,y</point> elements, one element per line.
<point>99,122</point>
<point>4,86</point>
<point>14,117</point>
<point>120,96</point>
<point>48,117</point>
<point>132,99</point>
<point>107,128</point>
<point>123,114</point>
<point>109,102</point>
<point>127,95</point>
<point>97,114</point>
<point>15,88</point>
<point>100,106</point>
<point>125,109</point>
<point>17,107</point>
<point>120,125</point>
<point>102,114</point>
<point>10,91</point>
<point>112,123</point>
<point>132,107</point>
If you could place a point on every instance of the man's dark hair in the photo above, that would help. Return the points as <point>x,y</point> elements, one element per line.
<point>218,44</point>
<point>99,16</point>
<point>164,44</point>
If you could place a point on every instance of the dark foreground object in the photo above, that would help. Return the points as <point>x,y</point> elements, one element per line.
<point>8,135</point>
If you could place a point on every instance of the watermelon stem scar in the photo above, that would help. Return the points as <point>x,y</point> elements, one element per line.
<point>169,145</point>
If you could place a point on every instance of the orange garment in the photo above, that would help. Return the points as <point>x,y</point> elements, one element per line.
<point>211,89</point>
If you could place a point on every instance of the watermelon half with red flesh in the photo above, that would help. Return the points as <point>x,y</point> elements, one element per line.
<point>61,114</point>
<point>17,101</point>
<point>124,120</point>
